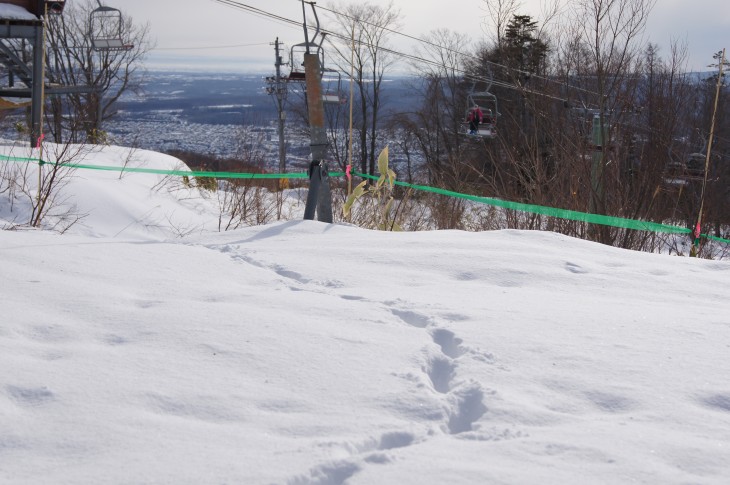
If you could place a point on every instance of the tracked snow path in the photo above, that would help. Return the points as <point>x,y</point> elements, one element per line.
<point>497,359</point>
<point>454,404</point>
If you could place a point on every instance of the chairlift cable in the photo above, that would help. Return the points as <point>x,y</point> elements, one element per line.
<point>454,51</point>
<point>259,12</point>
<point>504,84</point>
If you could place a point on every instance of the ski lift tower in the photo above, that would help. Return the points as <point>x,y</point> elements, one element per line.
<point>25,19</point>
<point>319,198</point>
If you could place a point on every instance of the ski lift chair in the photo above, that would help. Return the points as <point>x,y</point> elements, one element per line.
<point>487,103</point>
<point>333,92</point>
<point>695,166</point>
<point>105,29</point>
<point>296,59</point>
<point>55,7</point>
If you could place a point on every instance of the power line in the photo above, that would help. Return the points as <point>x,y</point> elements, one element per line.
<point>207,47</point>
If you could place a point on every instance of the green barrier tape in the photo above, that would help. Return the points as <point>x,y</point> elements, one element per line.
<point>182,173</point>
<point>18,159</point>
<point>715,238</point>
<point>191,173</point>
<point>559,213</point>
<point>531,208</point>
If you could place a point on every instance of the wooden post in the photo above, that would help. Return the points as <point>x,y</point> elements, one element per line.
<point>698,227</point>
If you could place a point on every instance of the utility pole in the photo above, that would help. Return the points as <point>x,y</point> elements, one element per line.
<point>280,94</point>
<point>596,203</point>
<point>597,165</point>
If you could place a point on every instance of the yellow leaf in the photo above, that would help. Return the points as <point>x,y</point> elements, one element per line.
<point>356,194</point>
<point>391,177</point>
<point>360,189</point>
<point>383,161</point>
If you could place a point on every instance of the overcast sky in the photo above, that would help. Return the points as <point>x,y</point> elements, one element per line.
<point>182,33</point>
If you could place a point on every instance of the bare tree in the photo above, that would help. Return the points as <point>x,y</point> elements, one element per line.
<point>39,189</point>
<point>436,122</point>
<point>71,61</point>
<point>499,12</point>
<point>368,26</point>
<point>605,37</point>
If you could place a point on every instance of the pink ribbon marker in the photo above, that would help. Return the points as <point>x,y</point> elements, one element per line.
<point>347,172</point>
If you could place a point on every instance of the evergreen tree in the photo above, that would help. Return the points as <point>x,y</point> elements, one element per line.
<point>523,49</point>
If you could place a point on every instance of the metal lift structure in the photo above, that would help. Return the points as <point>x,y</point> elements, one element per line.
<point>27,22</point>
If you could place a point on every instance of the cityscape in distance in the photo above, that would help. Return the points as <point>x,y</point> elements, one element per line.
<point>204,112</point>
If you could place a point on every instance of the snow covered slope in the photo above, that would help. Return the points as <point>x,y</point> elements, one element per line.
<point>305,353</point>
